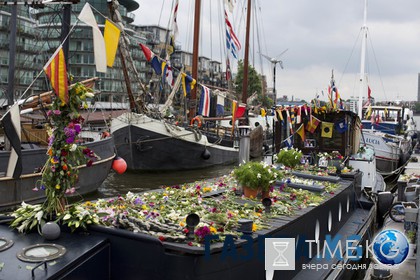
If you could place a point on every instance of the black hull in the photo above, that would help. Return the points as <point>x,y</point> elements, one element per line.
<point>139,256</point>
<point>14,191</point>
<point>144,149</point>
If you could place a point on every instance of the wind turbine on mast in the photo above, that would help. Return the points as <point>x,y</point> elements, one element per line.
<point>274,61</point>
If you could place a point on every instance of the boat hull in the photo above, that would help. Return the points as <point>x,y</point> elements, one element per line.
<point>388,153</point>
<point>149,144</point>
<point>136,254</point>
<point>14,191</point>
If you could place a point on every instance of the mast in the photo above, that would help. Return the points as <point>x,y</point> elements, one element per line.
<point>193,99</point>
<point>127,62</point>
<point>362,86</point>
<point>246,58</point>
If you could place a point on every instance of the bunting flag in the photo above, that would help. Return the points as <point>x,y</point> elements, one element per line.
<point>170,48</point>
<point>298,116</point>
<point>327,129</point>
<point>289,142</point>
<point>369,92</point>
<point>301,132</point>
<point>57,73</point>
<point>111,37</point>
<point>341,126</point>
<point>204,107</point>
<point>148,54</point>
<point>263,112</point>
<point>174,20</point>
<point>280,114</point>
<point>188,83</point>
<point>220,108</point>
<point>167,73</point>
<point>240,110</point>
<point>232,41</point>
<point>234,107</point>
<point>156,65</point>
<point>368,112</point>
<point>289,121</point>
<point>11,126</point>
<point>86,15</point>
<point>312,124</point>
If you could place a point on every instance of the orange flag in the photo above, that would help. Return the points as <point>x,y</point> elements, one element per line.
<point>57,73</point>
<point>301,132</point>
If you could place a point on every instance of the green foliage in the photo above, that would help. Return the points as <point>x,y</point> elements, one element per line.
<point>289,157</point>
<point>256,175</point>
<point>254,81</point>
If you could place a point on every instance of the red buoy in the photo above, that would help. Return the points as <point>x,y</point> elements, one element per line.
<point>119,165</point>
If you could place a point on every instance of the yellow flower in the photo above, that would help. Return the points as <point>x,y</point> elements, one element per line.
<point>207,189</point>
<point>254,227</point>
<point>213,230</point>
<point>57,186</point>
<point>144,207</point>
<point>182,224</point>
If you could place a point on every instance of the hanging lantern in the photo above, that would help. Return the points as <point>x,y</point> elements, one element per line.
<point>119,165</point>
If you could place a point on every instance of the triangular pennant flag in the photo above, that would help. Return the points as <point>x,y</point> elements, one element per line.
<point>327,129</point>
<point>57,73</point>
<point>301,132</point>
<point>188,83</point>
<point>156,65</point>
<point>111,37</point>
<point>86,15</point>
<point>147,52</point>
<point>204,108</point>
<point>240,111</point>
<point>312,124</point>
<point>280,114</point>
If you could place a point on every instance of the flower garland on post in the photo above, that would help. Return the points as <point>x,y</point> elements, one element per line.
<point>60,173</point>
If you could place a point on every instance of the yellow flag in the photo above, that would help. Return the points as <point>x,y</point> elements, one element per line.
<point>327,129</point>
<point>301,132</point>
<point>111,37</point>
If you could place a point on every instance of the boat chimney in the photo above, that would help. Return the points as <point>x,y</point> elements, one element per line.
<point>244,143</point>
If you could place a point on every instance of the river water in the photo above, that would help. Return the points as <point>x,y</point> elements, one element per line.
<point>116,184</point>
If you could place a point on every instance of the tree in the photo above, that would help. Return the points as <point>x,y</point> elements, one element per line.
<point>254,81</point>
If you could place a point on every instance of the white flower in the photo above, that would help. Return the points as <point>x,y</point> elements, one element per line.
<point>38,215</point>
<point>73,147</point>
<point>89,94</point>
<point>259,176</point>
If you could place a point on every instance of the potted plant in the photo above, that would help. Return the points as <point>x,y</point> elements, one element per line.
<point>289,157</point>
<point>255,177</point>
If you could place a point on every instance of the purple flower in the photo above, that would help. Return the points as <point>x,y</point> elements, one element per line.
<point>70,140</point>
<point>69,132</point>
<point>138,201</point>
<point>202,232</point>
<point>42,187</point>
<point>77,127</point>
<point>57,112</point>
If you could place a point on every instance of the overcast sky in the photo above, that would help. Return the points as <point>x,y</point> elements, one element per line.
<point>320,36</point>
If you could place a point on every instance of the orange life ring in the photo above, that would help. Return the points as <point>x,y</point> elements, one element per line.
<point>196,121</point>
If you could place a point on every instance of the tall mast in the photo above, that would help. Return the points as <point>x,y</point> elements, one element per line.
<point>246,59</point>
<point>362,86</point>
<point>193,99</point>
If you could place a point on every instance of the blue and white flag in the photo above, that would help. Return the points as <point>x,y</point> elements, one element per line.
<point>204,108</point>
<point>289,142</point>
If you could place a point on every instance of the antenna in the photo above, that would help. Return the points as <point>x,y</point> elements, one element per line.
<point>274,61</point>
